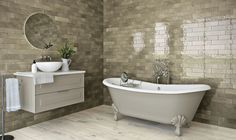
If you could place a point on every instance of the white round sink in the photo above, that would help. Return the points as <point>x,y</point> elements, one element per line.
<point>49,66</point>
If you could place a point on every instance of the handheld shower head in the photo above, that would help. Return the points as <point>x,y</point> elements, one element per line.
<point>124,77</point>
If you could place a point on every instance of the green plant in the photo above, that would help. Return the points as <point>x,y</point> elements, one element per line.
<point>67,51</point>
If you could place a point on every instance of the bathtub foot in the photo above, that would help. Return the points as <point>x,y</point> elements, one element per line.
<point>178,122</point>
<point>117,114</point>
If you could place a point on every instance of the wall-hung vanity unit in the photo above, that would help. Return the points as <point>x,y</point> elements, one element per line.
<point>67,89</point>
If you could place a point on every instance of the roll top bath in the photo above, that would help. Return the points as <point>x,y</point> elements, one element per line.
<point>146,101</point>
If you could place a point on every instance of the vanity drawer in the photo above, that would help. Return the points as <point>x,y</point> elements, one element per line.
<point>58,99</point>
<point>62,82</point>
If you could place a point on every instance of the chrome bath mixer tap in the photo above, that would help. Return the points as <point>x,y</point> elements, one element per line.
<point>161,69</point>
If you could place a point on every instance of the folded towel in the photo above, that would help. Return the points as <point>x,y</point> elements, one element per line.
<point>12,95</point>
<point>43,78</point>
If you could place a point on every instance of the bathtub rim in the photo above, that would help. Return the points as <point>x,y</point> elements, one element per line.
<point>202,87</point>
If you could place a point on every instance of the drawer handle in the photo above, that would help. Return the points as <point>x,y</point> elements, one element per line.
<point>64,90</point>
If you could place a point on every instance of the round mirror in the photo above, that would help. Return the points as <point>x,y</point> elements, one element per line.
<point>40,31</point>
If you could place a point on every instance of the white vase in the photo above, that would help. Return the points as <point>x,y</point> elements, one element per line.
<point>65,64</point>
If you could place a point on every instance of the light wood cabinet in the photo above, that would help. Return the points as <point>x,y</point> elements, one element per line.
<point>67,89</point>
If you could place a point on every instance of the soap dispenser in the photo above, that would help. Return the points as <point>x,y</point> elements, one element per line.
<point>34,67</point>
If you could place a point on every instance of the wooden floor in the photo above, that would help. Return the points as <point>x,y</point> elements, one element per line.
<point>98,124</point>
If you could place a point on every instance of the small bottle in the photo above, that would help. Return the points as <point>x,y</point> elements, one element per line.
<point>34,67</point>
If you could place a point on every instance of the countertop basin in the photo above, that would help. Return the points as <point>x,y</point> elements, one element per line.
<point>49,66</point>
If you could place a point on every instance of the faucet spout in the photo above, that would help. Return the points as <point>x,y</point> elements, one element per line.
<point>157,78</point>
<point>168,78</point>
<point>49,58</point>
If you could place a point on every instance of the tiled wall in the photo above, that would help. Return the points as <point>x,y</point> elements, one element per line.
<point>78,20</point>
<point>197,36</point>
<point>161,37</point>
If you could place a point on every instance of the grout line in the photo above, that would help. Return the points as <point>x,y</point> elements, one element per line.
<point>204,49</point>
<point>231,50</point>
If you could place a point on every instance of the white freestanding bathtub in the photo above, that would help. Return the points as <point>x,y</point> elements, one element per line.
<point>168,104</point>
